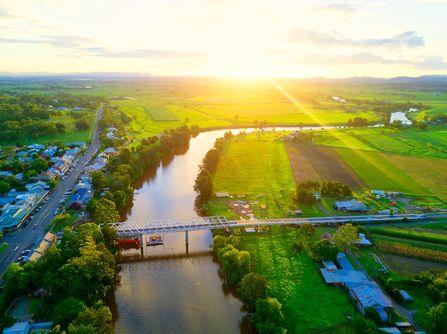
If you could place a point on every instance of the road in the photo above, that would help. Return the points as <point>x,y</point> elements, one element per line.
<point>131,229</point>
<point>27,236</point>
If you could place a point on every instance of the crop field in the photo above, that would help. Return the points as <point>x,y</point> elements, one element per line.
<point>412,142</point>
<point>308,304</point>
<point>310,162</point>
<point>378,173</point>
<point>160,113</point>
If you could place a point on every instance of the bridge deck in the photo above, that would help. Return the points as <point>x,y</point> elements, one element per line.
<point>132,229</point>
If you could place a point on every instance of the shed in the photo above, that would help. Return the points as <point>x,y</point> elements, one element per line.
<point>18,328</point>
<point>406,296</point>
<point>350,206</point>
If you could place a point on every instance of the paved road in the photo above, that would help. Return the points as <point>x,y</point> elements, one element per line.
<point>28,236</point>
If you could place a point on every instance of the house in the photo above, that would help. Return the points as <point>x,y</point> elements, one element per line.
<point>13,216</point>
<point>405,296</point>
<point>380,193</point>
<point>80,198</point>
<point>36,147</point>
<point>332,275</point>
<point>369,294</point>
<point>21,327</point>
<point>62,108</point>
<point>37,187</point>
<point>48,240</point>
<point>25,327</point>
<point>363,242</point>
<point>50,151</point>
<point>389,330</point>
<point>110,151</point>
<point>222,194</point>
<point>350,206</point>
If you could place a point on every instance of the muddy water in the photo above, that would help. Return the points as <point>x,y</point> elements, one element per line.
<point>179,291</point>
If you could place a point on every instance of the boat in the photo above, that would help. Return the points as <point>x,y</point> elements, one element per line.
<point>154,240</point>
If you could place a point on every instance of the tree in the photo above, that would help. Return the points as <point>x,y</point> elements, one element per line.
<point>346,236</point>
<point>92,321</point>
<point>204,185</point>
<point>253,286</point>
<point>60,127</point>
<point>82,124</point>
<point>438,317</point>
<point>325,250</point>
<point>268,316</point>
<point>90,275</point>
<point>110,236</point>
<point>220,241</point>
<point>67,310</point>
<point>39,165</point>
<point>16,280</point>
<point>235,264</point>
<point>98,179</point>
<point>104,211</point>
<point>4,187</point>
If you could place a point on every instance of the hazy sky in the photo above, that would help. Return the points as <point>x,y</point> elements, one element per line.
<point>225,37</point>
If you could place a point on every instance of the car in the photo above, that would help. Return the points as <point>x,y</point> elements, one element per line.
<point>26,252</point>
<point>22,258</point>
<point>55,212</point>
<point>35,226</point>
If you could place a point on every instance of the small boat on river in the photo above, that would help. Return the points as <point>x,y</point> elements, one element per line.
<point>154,240</point>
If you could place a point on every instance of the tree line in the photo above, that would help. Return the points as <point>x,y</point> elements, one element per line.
<point>127,167</point>
<point>306,192</point>
<point>28,115</point>
<point>72,279</point>
<point>237,269</point>
<point>204,181</point>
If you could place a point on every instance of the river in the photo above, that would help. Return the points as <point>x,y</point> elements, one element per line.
<point>175,293</point>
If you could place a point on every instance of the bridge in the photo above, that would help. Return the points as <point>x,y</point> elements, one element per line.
<point>132,229</point>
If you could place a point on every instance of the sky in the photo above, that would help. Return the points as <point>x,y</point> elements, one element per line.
<point>236,38</point>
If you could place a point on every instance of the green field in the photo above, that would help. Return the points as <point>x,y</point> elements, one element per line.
<point>309,305</point>
<point>257,165</point>
<point>72,134</point>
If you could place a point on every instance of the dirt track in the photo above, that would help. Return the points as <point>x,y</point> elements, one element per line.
<point>312,162</point>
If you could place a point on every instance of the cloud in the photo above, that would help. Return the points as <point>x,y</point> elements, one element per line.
<point>338,7</point>
<point>406,39</point>
<point>428,63</point>
<point>58,41</point>
<point>145,53</point>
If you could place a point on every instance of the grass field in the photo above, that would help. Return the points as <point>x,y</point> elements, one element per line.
<point>309,305</point>
<point>257,165</point>
<point>379,173</point>
<point>71,134</point>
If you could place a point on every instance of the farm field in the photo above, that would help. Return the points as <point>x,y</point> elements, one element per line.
<point>296,282</point>
<point>310,162</point>
<point>257,165</point>
<point>412,142</point>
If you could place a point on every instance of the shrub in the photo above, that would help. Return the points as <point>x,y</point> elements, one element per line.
<point>372,314</point>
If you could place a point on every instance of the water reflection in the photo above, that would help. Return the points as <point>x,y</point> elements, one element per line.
<point>175,293</point>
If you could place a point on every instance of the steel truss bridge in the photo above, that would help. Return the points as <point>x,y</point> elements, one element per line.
<point>132,229</point>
